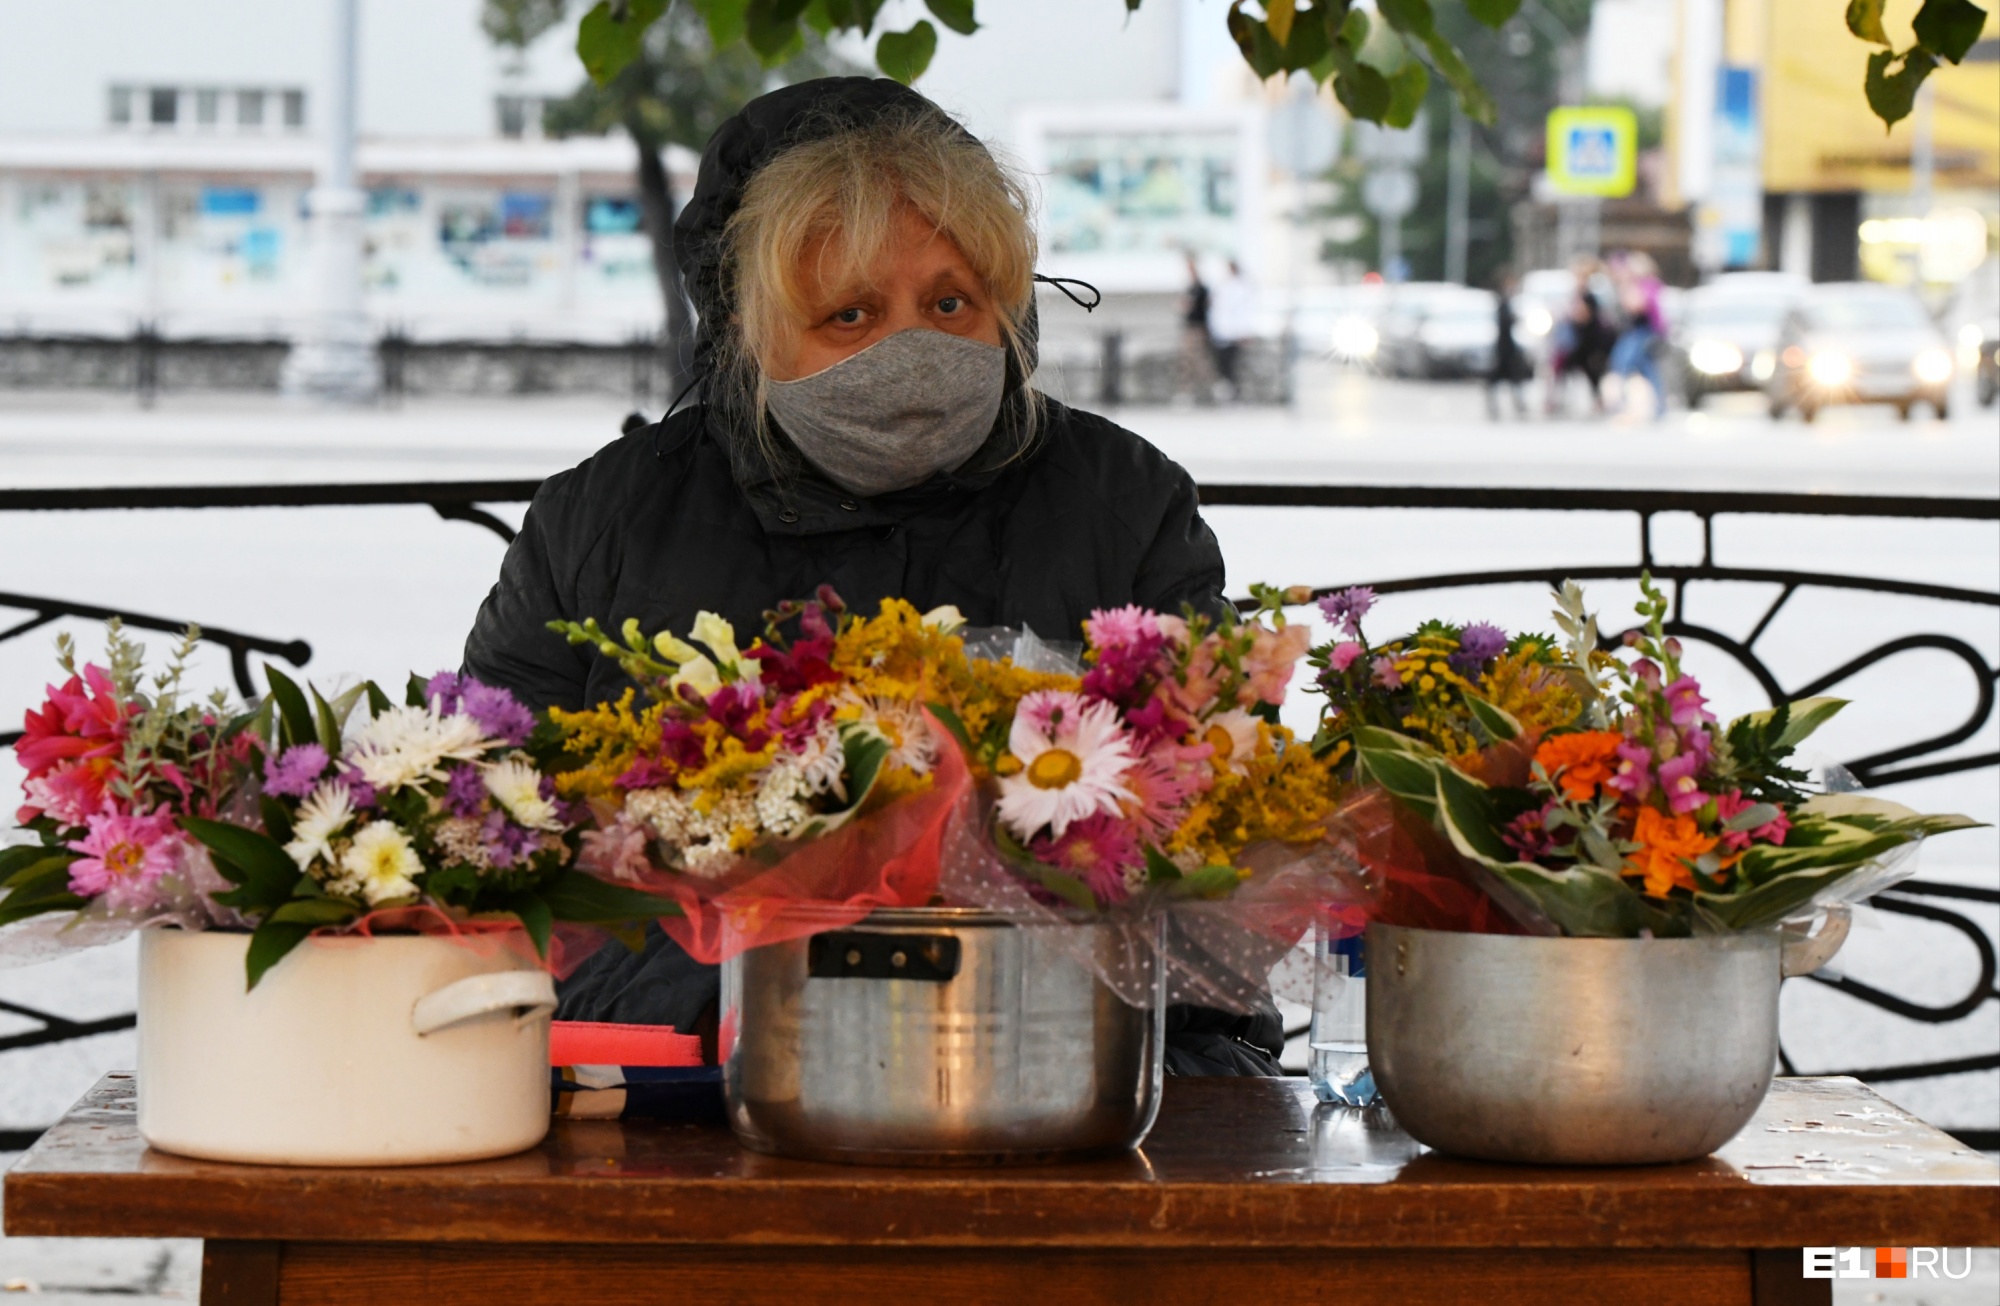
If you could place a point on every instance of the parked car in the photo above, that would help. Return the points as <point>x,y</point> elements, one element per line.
<point>1860,342</point>
<point>1726,338</point>
<point>1436,329</point>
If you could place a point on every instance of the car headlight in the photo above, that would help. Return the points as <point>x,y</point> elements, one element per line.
<point>1765,365</point>
<point>1715,357</point>
<point>1932,367</point>
<point>1830,369</point>
<point>1356,339</point>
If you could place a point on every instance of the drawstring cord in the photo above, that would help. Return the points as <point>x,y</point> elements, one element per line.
<point>1064,283</point>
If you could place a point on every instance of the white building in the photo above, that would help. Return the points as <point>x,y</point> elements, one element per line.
<point>154,153</point>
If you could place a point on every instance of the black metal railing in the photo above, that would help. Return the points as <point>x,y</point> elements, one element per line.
<point>467,502</point>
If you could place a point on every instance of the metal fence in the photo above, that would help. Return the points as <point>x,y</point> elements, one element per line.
<point>1921,899</point>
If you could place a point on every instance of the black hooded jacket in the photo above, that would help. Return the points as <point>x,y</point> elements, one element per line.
<point>687,515</point>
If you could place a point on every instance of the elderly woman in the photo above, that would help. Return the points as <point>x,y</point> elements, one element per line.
<point>864,273</point>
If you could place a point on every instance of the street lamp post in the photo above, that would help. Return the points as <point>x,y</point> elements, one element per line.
<point>333,353</point>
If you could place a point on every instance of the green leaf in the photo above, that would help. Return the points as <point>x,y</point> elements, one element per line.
<point>955,14</point>
<point>537,919</point>
<point>1493,13</point>
<point>577,896</point>
<point>314,912</point>
<point>1260,49</point>
<point>263,871</point>
<point>295,717</point>
<point>864,752</point>
<point>277,821</point>
<point>1949,28</point>
<point>378,702</point>
<point>1472,97</point>
<point>1496,722</point>
<point>953,722</point>
<point>326,724</point>
<point>269,945</point>
<point>771,28</point>
<point>725,19</point>
<point>1160,869</point>
<point>414,694</point>
<point>1278,17</point>
<point>1208,882</point>
<point>905,55</point>
<point>39,887</point>
<point>1403,766</point>
<point>1806,716</point>
<point>22,856</point>
<point>1407,88</point>
<point>1891,95</point>
<point>1864,19</point>
<point>606,44</point>
<point>1065,886</point>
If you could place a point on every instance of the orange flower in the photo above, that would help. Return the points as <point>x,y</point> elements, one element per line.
<point>1580,762</point>
<point>1666,845</point>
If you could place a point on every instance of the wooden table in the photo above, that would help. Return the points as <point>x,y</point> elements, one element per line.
<point>1238,1196</point>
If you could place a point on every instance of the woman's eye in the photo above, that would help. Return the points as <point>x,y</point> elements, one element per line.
<point>950,304</point>
<point>848,317</point>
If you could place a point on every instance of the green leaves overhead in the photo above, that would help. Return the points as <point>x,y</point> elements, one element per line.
<point>610,35</point>
<point>905,55</point>
<point>1945,30</point>
<point>1949,28</point>
<point>955,14</point>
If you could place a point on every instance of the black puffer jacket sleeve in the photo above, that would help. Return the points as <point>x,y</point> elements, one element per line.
<point>511,643</point>
<point>1183,564</point>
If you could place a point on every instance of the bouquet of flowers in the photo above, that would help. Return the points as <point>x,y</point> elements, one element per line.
<point>1155,769</point>
<point>352,814</point>
<point>1596,795</point>
<point>114,765</point>
<point>738,780</point>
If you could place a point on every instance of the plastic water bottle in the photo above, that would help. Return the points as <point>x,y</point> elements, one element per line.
<point>1338,1064</point>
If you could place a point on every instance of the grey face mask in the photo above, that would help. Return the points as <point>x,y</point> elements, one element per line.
<point>901,410</point>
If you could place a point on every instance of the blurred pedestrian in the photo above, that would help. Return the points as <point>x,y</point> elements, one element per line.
<point>1197,356</point>
<point>1637,351</point>
<point>1510,364</point>
<point>1232,322</point>
<point>1582,340</point>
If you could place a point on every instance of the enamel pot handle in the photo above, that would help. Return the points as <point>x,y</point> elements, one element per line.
<point>1805,953</point>
<point>525,992</point>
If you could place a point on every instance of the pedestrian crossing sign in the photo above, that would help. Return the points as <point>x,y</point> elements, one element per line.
<point>1593,150</point>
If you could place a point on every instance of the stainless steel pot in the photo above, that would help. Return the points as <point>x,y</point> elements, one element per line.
<point>1577,1051</point>
<point>938,1036</point>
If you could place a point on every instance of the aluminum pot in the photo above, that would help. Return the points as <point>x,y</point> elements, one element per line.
<point>1577,1051</point>
<point>938,1036</point>
<point>395,1050</point>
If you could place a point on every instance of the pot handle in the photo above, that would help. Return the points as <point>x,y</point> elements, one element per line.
<point>527,992</point>
<point>1805,953</point>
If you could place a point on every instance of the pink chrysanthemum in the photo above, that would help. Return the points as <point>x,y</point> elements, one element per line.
<point>1100,850</point>
<point>124,857</point>
<point>1074,756</point>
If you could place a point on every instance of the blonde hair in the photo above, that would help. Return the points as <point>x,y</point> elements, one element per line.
<point>833,199</point>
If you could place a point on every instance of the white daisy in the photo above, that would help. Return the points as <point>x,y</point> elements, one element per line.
<point>382,863</point>
<point>1233,735</point>
<point>516,786</point>
<point>1073,756</point>
<point>903,724</point>
<point>823,762</point>
<point>408,744</point>
<point>324,814</point>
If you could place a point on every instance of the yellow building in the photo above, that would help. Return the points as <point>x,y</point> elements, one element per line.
<point>1841,194</point>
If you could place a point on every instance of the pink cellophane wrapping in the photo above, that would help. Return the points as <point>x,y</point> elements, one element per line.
<point>1215,953</point>
<point>888,858</point>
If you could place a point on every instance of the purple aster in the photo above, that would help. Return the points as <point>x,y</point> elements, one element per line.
<point>359,791</point>
<point>294,772</point>
<point>1345,608</point>
<point>498,712</point>
<point>1478,644</point>
<point>444,689</point>
<point>507,844</point>
<point>465,791</point>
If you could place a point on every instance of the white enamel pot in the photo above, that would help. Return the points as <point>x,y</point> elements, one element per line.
<point>394,1050</point>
